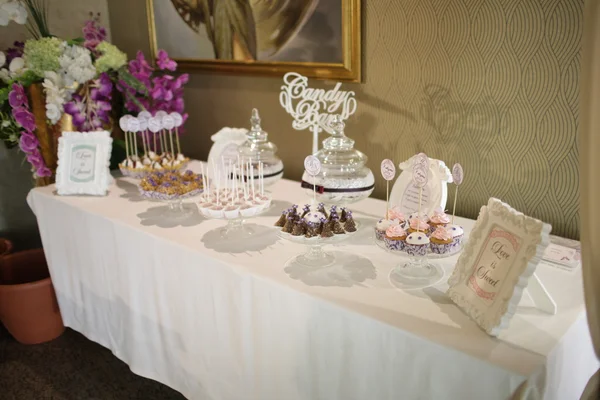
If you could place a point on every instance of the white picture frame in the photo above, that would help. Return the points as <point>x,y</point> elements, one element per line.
<point>435,193</point>
<point>83,163</point>
<point>496,264</point>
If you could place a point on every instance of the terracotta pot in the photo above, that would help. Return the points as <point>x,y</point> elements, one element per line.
<point>28,306</point>
<point>6,247</point>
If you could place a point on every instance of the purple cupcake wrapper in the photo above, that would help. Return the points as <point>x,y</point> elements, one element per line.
<point>395,245</point>
<point>379,235</point>
<point>415,249</point>
<point>444,248</point>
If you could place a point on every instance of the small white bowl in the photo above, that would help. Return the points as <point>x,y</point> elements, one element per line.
<point>231,214</point>
<point>216,213</point>
<point>248,212</point>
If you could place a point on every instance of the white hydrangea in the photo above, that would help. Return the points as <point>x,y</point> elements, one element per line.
<point>76,65</point>
<point>2,59</point>
<point>12,10</point>
<point>15,69</point>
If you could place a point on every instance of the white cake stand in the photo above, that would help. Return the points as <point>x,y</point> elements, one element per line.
<point>315,256</point>
<point>236,229</point>
<point>416,272</point>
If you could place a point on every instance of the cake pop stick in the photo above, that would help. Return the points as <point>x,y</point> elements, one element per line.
<point>262,178</point>
<point>171,140</point>
<point>177,137</point>
<point>457,177</point>
<point>252,177</point>
<point>127,145</point>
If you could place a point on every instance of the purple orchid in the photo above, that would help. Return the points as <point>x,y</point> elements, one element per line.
<point>43,171</point>
<point>28,143</point>
<point>93,34</point>
<point>91,112</point>
<point>15,52</point>
<point>35,159</point>
<point>17,96</point>
<point>164,62</point>
<point>24,118</point>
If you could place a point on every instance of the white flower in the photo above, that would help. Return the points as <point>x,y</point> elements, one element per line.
<point>5,123</point>
<point>16,65</point>
<point>2,59</point>
<point>53,112</point>
<point>76,64</point>
<point>12,11</point>
<point>5,75</point>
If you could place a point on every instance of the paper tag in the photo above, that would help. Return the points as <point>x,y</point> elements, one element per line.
<point>144,115</point>
<point>388,169</point>
<point>561,255</point>
<point>143,124</point>
<point>422,159</point>
<point>154,124</point>
<point>457,174</point>
<point>168,122</point>
<point>420,175</point>
<point>124,122</point>
<point>177,119</point>
<point>312,165</point>
<point>134,125</point>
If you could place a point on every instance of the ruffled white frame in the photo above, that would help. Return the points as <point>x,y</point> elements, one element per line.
<point>103,143</point>
<point>535,235</point>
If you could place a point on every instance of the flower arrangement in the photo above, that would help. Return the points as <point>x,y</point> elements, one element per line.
<point>78,77</point>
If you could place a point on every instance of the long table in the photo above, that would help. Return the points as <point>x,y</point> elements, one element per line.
<point>220,319</point>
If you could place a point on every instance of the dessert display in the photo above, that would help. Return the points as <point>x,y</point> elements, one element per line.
<point>419,234</point>
<point>234,193</point>
<point>259,151</point>
<point>315,222</point>
<point>343,178</point>
<point>167,186</point>
<point>161,150</point>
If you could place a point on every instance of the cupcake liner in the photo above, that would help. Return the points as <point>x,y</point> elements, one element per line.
<point>391,244</point>
<point>415,249</point>
<point>442,248</point>
<point>379,235</point>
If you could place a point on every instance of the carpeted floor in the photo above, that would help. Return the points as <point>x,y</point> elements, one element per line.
<point>70,368</point>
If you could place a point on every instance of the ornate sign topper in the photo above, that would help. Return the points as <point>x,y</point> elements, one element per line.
<point>312,165</point>
<point>420,170</point>
<point>388,169</point>
<point>314,108</point>
<point>457,174</point>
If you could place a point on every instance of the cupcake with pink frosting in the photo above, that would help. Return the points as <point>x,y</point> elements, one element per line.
<point>419,225</point>
<point>396,214</point>
<point>394,237</point>
<point>439,218</point>
<point>441,241</point>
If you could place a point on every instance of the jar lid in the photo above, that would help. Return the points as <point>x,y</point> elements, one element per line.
<point>338,149</point>
<point>257,147</point>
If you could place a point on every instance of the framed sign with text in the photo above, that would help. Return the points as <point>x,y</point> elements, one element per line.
<point>83,161</point>
<point>504,248</point>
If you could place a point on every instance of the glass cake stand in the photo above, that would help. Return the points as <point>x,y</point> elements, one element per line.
<point>235,228</point>
<point>315,256</point>
<point>175,208</point>
<point>418,272</point>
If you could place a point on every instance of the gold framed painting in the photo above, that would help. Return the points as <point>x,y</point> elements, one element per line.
<point>316,38</point>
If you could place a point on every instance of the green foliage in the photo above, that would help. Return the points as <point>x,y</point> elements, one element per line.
<point>131,80</point>
<point>4,95</point>
<point>76,42</point>
<point>38,18</point>
<point>28,78</point>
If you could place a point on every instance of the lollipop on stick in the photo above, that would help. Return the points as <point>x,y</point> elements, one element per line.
<point>388,171</point>
<point>312,165</point>
<point>457,177</point>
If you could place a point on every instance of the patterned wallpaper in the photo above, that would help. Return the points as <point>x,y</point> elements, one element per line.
<point>492,84</point>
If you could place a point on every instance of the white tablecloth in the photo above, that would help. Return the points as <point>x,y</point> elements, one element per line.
<point>217,319</point>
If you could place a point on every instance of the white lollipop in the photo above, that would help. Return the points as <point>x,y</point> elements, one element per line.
<point>160,114</point>
<point>143,123</point>
<point>154,124</point>
<point>134,124</point>
<point>177,118</point>
<point>168,122</point>
<point>123,122</point>
<point>144,115</point>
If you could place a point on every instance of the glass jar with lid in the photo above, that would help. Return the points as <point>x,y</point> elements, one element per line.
<point>257,149</point>
<point>344,177</point>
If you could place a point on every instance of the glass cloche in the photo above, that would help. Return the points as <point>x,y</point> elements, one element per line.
<point>258,149</point>
<point>344,178</point>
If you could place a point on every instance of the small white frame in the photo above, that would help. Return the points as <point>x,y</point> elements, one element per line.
<point>435,193</point>
<point>83,163</point>
<point>496,264</point>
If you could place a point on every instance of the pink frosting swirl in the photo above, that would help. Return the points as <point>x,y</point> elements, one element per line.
<point>395,213</point>
<point>440,217</point>
<point>395,231</point>
<point>418,225</point>
<point>442,233</point>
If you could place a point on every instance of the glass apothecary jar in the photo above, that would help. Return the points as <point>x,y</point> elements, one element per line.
<point>257,149</point>
<point>344,178</point>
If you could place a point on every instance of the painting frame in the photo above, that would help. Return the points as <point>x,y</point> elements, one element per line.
<point>348,70</point>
